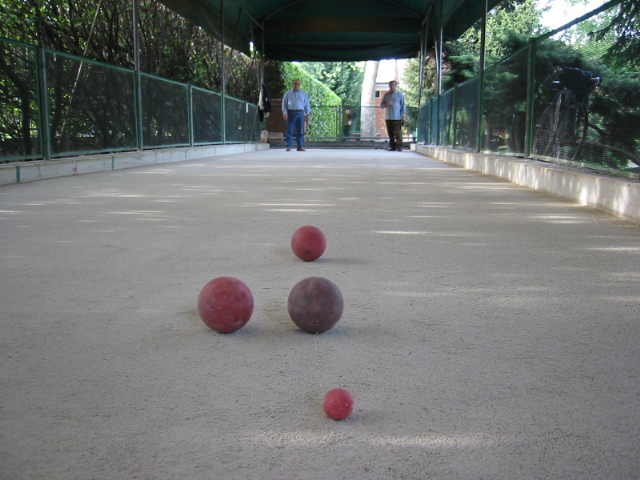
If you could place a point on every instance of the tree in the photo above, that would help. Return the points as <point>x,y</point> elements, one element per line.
<point>367,101</point>
<point>509,20</point>
<point>343,78</point>
<point>509,26</point>
<point>625,24</point>
<point>102,30</point>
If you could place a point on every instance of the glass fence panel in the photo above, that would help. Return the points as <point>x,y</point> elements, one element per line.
<point>207,123</point>
<point>422,129</point>
<point>445,118</point>
<point>466,114</point>
<point>91,106</point>
<point>19,114</point>
<point>434,132</point>
<point>165,112</point>
<point>504,105</point>
<point>234,120</point>
<point>254,126</point>
<point>584,112</point>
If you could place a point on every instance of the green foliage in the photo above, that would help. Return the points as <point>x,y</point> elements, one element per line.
<point>101,30</point>
<point>411,80</point>
<point>625,24</point>
<point>509,27</point>
<point>461,68</point>
<point>623,87</point>
<point>411,90</point>
<point>607,44</point>
<point>506,22</point>
<point>343,78</point>
<point>320,97</point>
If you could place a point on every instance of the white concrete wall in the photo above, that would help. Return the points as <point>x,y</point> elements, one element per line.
<point>617,196</point>
<point>20,172</point>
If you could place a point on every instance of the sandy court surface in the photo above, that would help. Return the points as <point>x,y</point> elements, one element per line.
<point>489,331</point>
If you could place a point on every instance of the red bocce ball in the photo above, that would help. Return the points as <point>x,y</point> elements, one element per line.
<point>308,243</point>
<point>225,304</point>
<point>338,404</point>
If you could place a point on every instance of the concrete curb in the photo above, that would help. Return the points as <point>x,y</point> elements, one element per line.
<point>616,196</point>
<point>22,172</point>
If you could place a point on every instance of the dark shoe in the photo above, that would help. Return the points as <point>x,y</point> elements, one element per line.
<point>300,149</point>
<point>398,149</point>
<point>288,149</point>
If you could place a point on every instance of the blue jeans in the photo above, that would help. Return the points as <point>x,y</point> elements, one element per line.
<point>295,119</point>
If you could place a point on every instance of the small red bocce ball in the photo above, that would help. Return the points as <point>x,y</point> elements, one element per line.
<point>225,304</point>
<point>308,243</point>
<point>315,304</point>
<point>338,404</point>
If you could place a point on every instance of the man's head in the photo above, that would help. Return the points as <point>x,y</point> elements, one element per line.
<point>296,85</point>
<point>392,86</point>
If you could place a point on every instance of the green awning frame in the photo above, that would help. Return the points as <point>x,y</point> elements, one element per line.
<point>332,30</point>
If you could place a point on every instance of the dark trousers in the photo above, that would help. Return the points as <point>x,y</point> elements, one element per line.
<point>394,129</point>
<point>295,120</point>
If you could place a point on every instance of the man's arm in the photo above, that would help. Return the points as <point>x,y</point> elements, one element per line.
<point>383,103</point>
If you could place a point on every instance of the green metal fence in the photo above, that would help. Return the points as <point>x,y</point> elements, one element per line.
<point>523,116</point>
<point>55,105</point>
<point>345,123</point>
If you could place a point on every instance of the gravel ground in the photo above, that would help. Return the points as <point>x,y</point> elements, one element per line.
<point>489,331</point>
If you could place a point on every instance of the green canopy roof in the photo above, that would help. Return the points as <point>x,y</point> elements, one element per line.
<point>330,30</point>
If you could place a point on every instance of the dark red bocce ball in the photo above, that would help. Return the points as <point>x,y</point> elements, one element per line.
<point>308,243</point>
<point>315,304</point>
<point>338,404</point>
<point>225,304</point>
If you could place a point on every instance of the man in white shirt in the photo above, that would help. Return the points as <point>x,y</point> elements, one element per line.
<point>393,103</point>
<point>295,111</point>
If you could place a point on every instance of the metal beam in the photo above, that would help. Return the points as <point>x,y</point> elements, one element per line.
<point>341,24</point>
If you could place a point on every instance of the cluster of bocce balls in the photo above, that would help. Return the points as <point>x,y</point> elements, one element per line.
<point>315,305</point>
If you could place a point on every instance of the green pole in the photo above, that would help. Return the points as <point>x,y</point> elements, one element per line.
<point>137,76</point>
<point>190,114</point>
<point>529,115</point>
<point>43,101</point>
<point>223,76</point>
<point>454,117</point>
<point>480,136</point>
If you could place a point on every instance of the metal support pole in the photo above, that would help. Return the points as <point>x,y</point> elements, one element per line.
<point>439,53</point>
<point>483,41</point>
<point>421,69</point>
<point>43,97</point>
<point>262,56</point>
<point>454,117</point>
<point>190,112</point>
<point>531,76</point>
<point>223,79</point>
<point>137,77</point>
